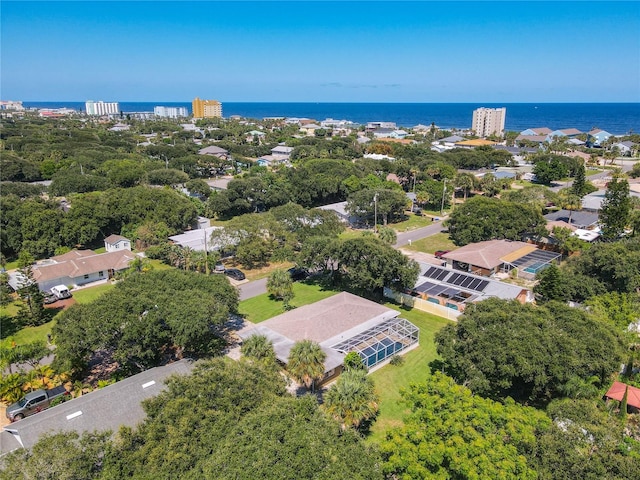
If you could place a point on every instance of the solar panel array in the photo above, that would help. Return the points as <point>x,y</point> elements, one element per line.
<point>537,256</point>
<point>462,280</point>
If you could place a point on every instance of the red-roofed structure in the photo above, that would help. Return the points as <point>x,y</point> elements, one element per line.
<point>616,392</point>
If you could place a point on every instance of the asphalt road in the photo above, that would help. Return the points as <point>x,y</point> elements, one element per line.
<point>407,237</point>
<point>253,289</point>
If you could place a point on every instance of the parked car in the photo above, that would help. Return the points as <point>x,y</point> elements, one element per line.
<point>440,253</point>
<point>34,402</point>
<point>219,268</point>
<point>49,298</point>
<point>234,273</point>
<point>61,292</point>
<point>297,273</point>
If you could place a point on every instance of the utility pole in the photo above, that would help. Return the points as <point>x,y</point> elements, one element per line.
<point>375,213</point>
<point>444,191</point>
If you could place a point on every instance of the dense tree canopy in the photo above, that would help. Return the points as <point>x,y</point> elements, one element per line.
<point>504,349</point>
<point>452,433</point>
<point>147,316</point>
<point>227,420</point>
<point>483,218</point>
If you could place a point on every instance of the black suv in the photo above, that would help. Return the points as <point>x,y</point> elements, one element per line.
<point>298,273</point>
<point>234,273</point>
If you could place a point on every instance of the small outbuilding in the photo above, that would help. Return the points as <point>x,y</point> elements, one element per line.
<point>116,243</point>
<point>617,391</point>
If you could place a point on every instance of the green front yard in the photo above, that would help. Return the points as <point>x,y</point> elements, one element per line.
<point>432,243</point>
<point>390,378</point>
<point>260,308</point>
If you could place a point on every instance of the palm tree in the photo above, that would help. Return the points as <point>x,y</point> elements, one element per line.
<point>387,235</point>
<point>259,348</point>
<point>571,202</point>
<point>466,182</point>
<point>352,400</point>
<point>306,362</point>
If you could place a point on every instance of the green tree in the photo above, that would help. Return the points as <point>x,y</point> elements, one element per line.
<point>388,204</point>
<point>259,348</point>
<point>482,218</point>
<point>367,265</point>
<point>579,186</point>
<point>353,361</point>
<point>280,286</point>
<point>56,456</point>
<point>387,235</point>
<point>616,208</point>
<point>352,399</point>
<point>452,433</point>
<point>306,362</point>
<point>504,349</point>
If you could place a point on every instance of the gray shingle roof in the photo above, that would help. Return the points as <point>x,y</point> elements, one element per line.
<point>108,408</point>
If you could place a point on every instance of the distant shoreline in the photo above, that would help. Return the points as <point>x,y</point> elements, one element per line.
<point>616,118</point>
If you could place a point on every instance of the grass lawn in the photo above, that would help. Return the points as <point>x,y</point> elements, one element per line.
<point>158,265</point>
<point>432,243</point>
<point>88,295</point>
<point>29,334</point>
<point>390,379</point>
<point>261,308</point>
<point>412,222</point>
<point>349,233</point>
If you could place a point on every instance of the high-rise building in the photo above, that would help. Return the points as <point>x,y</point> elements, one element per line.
<point>102,108</point>
<point>489,121</point>
<point>170,112</point>
<point>206,108</point>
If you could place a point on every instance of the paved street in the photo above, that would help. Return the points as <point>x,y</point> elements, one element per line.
<point>252,289</point>
<point>418,233</point>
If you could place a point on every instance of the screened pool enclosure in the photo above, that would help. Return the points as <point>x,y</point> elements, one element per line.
<point>382,341</point>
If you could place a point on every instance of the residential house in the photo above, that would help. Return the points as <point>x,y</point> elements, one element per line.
<point>446,292</point>
<point>214,151</point>
<point>114,243</point>
<point>340,324</point>
<point>626,148</point>
<point>598,137</point>
<point>447,143</point>
<point>577,219</point>
<point>80,267</point>
<point>618,391</point>
<point>567,132</point>
<point>493,256</point>
<point>531,138</point>
<point>543,131</point>
<point>378,125</point>
<point>310,129</point>
<point>476,142</point>
<point>255,135</point>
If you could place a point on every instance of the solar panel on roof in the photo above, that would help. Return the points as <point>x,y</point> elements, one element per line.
<point>453,278</point>
<point>442,274</point>
<point>475,283</point>
<point>437,290</point>
<point>467,282</point>
<point>459,280</point>
<point>424,287</point>
<point>482,286</point>
<point>431,272</point>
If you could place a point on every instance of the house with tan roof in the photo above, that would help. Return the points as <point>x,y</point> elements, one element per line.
<point>341,324</point>
<point>80,267</point>
<point>476,142</point>
<point>485,258</point>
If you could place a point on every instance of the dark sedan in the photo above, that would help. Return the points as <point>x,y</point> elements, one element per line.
<point>234,273</point>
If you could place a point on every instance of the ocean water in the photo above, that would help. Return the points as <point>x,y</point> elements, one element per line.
<point>616,118</point>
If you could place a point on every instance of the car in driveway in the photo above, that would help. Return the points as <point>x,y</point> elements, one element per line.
<point>440,253</point>
<point>298,273</point>
<point>234,273</point>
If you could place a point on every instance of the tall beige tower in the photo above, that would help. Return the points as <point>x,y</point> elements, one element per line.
<point>489,121</point>
<point>206,108</point>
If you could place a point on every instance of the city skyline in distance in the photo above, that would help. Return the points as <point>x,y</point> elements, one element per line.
<point>322,51</point>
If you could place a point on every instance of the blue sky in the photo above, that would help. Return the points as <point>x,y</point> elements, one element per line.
<point>321,51</point>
